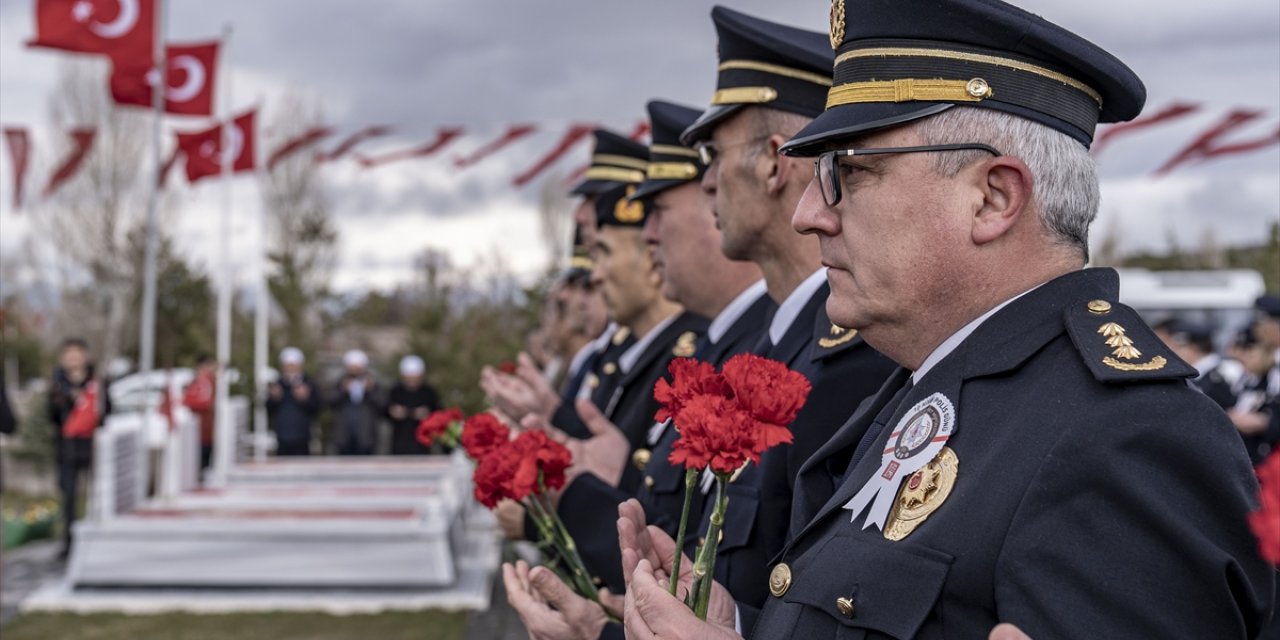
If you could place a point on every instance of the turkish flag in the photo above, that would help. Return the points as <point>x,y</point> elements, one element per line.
<point>82,142</point>
<point>203,149</point>
<point>190,79</point>
<point>119,28</point>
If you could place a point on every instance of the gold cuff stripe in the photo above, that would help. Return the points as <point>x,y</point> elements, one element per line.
<point>619,161</point>
<point>971,57</point>
<point>672,150</point>
<point>777,70</point>
<point>614,174</point>
<point>672,171</point>
<point>745,95</point>
<point>902,90</point>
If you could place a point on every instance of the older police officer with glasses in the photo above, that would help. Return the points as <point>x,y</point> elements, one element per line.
<point>1039,458</point>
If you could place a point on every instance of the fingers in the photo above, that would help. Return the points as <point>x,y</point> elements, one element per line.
<point>637,627</point>
<point>596,423</point>
<point>528,371</point>
<point>517,590</point>
<point>554,592</point>
<point>1006,631</point>
<point>664,549</point>
<point>535,422</point>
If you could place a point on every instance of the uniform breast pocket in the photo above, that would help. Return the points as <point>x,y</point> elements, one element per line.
<point>867,590</point>
<point>739,517</point>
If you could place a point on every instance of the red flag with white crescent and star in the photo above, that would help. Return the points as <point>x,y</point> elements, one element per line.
<point>203,149</point>
<point>119,28</point>
<point>191,78</point>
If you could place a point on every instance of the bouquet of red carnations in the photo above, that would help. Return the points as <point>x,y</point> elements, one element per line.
<point>523,469</point>
<point>725,419</point>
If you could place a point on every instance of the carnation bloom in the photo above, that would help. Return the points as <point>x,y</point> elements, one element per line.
<point>1265,522</point>
<point>689,378</point>
<point>770,392</point>
<point>483,433</point>
<point>715,432</point>
<point>492,477</point>
<point>437,423</point>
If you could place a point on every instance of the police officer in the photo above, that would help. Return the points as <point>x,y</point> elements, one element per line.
<point>1039,458</point>
<point>773,79</point>
<point>616,161</point>
<point>679,229</point>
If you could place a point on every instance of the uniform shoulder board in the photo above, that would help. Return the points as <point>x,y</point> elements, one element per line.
<point>830,338</point>
<point>1118,346</point>
<point>620,336</point>
<point>686,345</point>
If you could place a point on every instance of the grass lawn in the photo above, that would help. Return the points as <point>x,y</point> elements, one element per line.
<point>415,625</point>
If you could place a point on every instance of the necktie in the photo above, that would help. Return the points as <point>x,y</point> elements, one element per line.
<point>877,427</point>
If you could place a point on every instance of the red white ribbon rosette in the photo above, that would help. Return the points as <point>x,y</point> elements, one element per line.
<point>919,436</point>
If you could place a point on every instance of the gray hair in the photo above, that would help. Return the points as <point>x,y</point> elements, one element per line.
<point>1064,177</point>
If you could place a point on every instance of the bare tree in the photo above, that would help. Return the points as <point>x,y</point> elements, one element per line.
<point>89,219</point>
<point>302,239</point>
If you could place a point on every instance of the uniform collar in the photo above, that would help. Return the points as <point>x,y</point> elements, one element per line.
<point>734,310</point>
<point>943,350</point>
<point>791,307</point>
<point>632,354</point>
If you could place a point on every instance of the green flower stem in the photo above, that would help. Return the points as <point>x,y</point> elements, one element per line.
<point>452,435</point>
<point>568,551</point>
<point>690,481</point>
<point>704,568</point>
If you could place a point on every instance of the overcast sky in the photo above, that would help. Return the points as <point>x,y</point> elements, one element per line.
<point>417,65</point>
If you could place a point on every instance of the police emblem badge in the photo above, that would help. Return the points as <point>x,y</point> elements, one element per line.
<point>922,493</point>
<point>919,437</point>
<point>685,345</point>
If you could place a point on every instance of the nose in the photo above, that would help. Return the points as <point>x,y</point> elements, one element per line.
<point>652,228</point>
<point>812,214</point>
<point>709,178</point>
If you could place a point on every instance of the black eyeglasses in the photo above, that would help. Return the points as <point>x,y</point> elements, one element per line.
<point>707,150</point>
<point>829,179</point>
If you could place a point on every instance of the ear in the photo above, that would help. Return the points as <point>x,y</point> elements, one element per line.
<point>775,167</point>
<point>1005,184</point>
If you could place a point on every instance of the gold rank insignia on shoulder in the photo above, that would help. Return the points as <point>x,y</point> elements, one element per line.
<point>620,336</point>
<point>1124,351</point>
<point>685,345</point>
<point>1118,346</point>
<point>922,493</point>
<point>838,336</point>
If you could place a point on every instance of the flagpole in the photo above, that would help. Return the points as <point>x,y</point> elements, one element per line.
<point>261,327</point>
<point>146,341</point>
<point>224,427</point>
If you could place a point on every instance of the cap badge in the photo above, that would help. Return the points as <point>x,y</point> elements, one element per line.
<point>837,23</point>
<point>626,210</point>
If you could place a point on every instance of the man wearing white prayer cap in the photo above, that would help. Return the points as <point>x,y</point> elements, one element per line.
<point>292,405</point>
<point>408,402</point>
<point>357,406</point>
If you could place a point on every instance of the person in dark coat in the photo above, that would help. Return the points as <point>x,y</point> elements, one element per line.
<point>408,402</point>
<point>292,404</point>
<point>1038,458</point>
<point>356,403</point>
<point>78,403</point>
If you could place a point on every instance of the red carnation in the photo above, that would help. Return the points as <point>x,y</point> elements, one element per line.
<point>770,392</point>
<point>689,378</point>
<point>492,477</point>
<point>537,453</point>
<point>436,424</point>
<point>483,433</point>
<point>1265,522</point>
<point>507,367</point>
<point>715,432</point>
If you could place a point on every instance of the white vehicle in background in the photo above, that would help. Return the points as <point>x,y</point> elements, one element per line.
<point>1222,299</point>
